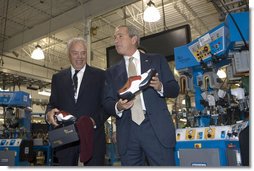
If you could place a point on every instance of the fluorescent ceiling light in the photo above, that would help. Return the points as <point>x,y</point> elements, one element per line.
<point>151,13</point>
<point>44,92</point>
<point>38,53</point>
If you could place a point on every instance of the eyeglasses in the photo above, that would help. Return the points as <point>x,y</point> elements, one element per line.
<point>77,53</point>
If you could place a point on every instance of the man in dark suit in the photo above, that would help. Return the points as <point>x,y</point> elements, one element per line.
<point>154,136</point>
<point>83,100</point>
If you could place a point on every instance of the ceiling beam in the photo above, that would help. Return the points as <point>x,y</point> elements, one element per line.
<point>89,9</point>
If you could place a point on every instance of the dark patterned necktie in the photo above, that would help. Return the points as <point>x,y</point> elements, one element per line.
<point>75,81</point>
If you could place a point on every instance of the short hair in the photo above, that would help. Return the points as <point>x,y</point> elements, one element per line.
<point>132,31</point>
<point>75,40</point>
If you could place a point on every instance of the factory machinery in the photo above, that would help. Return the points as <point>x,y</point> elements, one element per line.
<point>213,125</point>
<point>18,143</point>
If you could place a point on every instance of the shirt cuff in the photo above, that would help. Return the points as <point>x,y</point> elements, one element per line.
<point>118,113</point>
<point>161,92</point>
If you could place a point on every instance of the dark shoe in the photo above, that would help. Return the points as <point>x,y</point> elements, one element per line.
<point>136,84</point>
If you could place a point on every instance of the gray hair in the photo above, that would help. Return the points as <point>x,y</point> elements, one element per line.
<point>75,40</point>
<point>132,31</point>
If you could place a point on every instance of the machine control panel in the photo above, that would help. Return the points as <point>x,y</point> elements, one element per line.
<point>229,132</point>
<point>202,49</point>
<point>208,44</point>
<point>10,142</point>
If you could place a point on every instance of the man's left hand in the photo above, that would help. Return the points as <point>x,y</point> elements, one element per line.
<point>155,83</point>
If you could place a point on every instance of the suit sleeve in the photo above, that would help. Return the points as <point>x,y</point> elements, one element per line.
<point>110,96</point>
<point>100,115</point>
<point>170,85</point>
<point>53,97</point>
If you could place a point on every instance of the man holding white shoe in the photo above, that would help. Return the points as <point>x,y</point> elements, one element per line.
<point>77,91</point>
<point>144,125</point>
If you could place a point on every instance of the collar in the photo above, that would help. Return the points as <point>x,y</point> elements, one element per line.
<point>136,55</point>
<point>82,70</point>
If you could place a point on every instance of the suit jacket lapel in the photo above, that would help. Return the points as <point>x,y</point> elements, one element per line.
<point>85,79</point>
<point>69,83</point>
<point>145,62</point>
<point>121,75</point>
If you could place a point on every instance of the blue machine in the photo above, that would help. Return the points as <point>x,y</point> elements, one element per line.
<point>15,152</point>
<point>17,107</point>
<point>15,139</point>
<point>198,63</point>
<point>20,152</point>
<point>16,145</point>
<point>211,50</point>
<point>14,98</point>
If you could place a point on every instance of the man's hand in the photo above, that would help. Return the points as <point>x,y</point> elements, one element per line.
<point>51,118</point>
<point>124,104</point>
<point>155,83</point>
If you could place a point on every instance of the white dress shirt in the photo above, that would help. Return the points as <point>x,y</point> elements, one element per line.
<point>137,63</point>
<point>80,75</point>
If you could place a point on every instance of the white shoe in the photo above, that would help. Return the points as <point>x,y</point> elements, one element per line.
<point>60,117</point>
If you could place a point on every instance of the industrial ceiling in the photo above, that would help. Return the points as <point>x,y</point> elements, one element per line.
<point>51,23</point>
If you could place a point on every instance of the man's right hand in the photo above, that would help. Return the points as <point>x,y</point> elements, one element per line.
<point>124,104</point>
<point>51,117</point>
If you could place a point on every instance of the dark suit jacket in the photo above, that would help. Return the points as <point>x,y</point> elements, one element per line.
<point>156,106</point>
<point>89,101</point>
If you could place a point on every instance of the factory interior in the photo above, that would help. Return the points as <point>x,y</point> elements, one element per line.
<point>205,42</point>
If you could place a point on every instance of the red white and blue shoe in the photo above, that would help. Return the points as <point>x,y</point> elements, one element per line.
<point>136,84</point>
<point>64,117</point>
